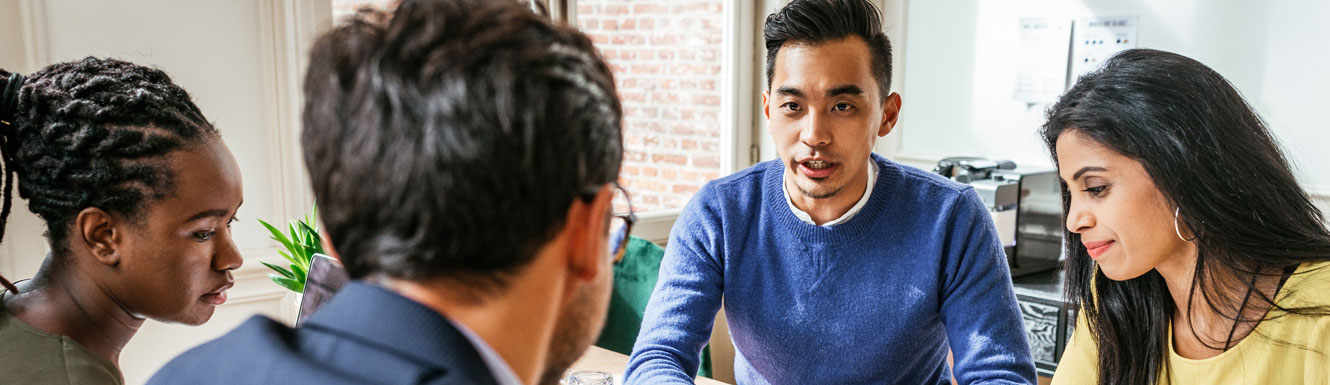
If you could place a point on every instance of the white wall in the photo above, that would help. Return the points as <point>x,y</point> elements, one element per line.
<point>241,60</point>
<point>961,60</point>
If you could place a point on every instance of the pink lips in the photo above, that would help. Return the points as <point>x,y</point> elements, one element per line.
<point>817,173</point>
<point>217,297</point>
<point>1097,248</point>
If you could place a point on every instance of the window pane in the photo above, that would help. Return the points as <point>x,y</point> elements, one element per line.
<point>667,61</point>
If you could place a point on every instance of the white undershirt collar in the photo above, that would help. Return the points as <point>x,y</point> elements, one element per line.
<point>868,191</point>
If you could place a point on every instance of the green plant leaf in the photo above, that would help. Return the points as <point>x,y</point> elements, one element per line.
<point>277,235</point>
<point>287,256</point>
<point>300,241</point>
<point>289,284</point>
<point>315,240</point>
<point>298,249</point>
<point>314,217</point>
<point>280,270</point>
<point>300,273</point>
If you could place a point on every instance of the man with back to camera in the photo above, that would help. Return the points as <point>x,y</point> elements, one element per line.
<point>836,265</point>
<point>478,233</point>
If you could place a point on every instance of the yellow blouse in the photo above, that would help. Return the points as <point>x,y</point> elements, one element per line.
<point>1269,355</point>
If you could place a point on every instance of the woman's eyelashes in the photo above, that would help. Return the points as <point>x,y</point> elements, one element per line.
<point>204,236</point>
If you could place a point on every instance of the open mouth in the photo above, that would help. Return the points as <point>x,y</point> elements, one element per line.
<point>817,168</point>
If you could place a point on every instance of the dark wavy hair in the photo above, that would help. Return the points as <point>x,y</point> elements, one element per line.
<point>448,140</point>
<point>1214,160</point>
<point>819,21</point>
<point>91,133</point>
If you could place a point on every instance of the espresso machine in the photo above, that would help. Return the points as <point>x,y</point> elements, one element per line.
<point>1026,206</point>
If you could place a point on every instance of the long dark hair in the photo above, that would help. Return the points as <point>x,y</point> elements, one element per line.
<point>91,133</point>
<point>1213,159</point>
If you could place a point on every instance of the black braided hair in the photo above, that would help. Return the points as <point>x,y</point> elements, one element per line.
<point>92,133</point>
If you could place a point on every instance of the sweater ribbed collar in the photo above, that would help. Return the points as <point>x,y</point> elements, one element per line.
<point>773,201</point>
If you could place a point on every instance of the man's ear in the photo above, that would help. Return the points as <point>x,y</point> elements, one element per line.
<point>766,104</point>
<point>326,240</point>
<point>586,226</point>
<point>891,110</point>
<point>99,232</point>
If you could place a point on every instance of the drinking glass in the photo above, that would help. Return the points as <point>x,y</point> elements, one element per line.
<point>590,377</point>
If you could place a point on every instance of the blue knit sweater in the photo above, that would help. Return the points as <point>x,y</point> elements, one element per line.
<point>875,300</point>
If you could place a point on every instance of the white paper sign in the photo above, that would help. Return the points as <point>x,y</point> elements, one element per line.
<point>1096,39</point>
<point>1042,75</point>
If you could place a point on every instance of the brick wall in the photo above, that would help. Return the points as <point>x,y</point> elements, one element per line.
<point>666,58</point>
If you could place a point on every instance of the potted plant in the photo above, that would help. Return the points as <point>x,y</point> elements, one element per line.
<point>299,243</point>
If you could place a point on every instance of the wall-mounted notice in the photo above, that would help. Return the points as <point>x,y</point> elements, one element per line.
<point>1096,39</point>
<point>1042,75</point>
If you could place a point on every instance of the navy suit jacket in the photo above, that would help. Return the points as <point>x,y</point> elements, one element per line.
<point>365,335</point>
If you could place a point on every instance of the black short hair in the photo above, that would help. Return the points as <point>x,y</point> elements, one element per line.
<point>93,133</point>
<point>819,21</point>
<point>449,140</point>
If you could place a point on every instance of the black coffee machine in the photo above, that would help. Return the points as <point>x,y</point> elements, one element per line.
<point>1026,205</point>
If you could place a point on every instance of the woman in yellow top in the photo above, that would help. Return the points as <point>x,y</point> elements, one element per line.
<point>1193,253</point>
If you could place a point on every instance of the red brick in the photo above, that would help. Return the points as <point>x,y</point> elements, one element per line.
<point>706,100</point>
<point>644,69</point>
<point>652,9</point>
<point>661,97</point>
<point>707,161</point>
<point>622,39</point>
<point>685,189</point>
<point>633,96</point>
<point>669,158</point>
<point>664,39</point>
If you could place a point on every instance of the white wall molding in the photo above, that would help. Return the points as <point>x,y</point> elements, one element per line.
<point>290,28</point>
<point>655,226</point>
<point>35,33</point>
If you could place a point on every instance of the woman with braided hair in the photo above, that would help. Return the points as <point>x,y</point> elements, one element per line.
<point>137,191</point>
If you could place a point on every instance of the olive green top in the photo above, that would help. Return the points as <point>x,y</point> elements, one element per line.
<point>31,356</point>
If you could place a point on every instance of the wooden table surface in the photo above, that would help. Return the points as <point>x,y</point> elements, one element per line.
<point>597,358</point>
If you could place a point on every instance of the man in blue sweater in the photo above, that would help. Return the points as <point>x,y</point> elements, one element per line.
<point>836,265</point>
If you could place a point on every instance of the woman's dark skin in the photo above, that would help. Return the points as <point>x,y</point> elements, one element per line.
<point>173,263</point>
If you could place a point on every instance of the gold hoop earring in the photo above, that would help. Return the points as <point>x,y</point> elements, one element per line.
<point>1177,229</point>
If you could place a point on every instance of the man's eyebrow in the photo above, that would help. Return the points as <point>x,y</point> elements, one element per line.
<point>790,91</point>
<point>848,89</point>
